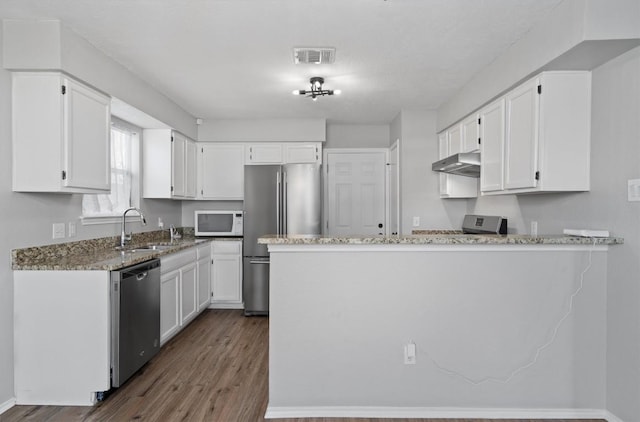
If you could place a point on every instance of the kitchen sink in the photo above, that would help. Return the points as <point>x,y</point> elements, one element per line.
<point>155,247</point>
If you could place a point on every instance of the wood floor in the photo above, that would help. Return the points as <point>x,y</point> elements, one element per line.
<point>214,370</point>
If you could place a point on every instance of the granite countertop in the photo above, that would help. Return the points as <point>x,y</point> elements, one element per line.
<point>438,237</point>
<point>100,254</point>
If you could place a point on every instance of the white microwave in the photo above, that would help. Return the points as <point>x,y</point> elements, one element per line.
<point>218,223</point>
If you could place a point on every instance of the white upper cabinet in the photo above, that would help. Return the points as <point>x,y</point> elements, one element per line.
<point>470,141</point>
<point>300,152</point>
<point>60,136</point>
<point>221,168</point>
<point>547,138</point>
<point>283,153</point>
<point>492,128</point>
<point>451,185</point>
<point>263,153</point>
<point>521,158</point>
<point>169,165</point>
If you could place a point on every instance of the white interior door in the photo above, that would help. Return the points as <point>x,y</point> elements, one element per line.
<point>355,192</point>
<point>394,188</point>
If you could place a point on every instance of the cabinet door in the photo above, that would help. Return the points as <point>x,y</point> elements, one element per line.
<point>188,292</point>
<point>86,130</point>
<point>178,148</point>
<point>455,139</point>
<point>470,134</point>
<point>169,305</point>
<point>222,171</point>
<point>190,168</point>
<point>226,278</point>
<point>264,154</point>
<point>452,185</point>
<point>521,144</point>
<point>302,153</point>
<point>443,152</point>
<point>492,155</point>
<point>204,282</point>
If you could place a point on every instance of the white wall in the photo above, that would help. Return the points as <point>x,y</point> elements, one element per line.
<point>420,197</point>
<point>357,136</point>
<point>28,217</point>
<point>580,34</point>
<point>269,130</point>
<point>479,312</point>
<point>615,158</point>
<point>78,57</point>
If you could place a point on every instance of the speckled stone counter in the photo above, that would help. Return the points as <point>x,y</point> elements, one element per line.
<point>101,254</point>
<point>442,237</point>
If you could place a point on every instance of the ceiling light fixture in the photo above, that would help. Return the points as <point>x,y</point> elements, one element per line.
<point>316,89</point>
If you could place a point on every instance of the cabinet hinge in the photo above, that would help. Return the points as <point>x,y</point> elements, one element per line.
<point>479,141</point>
<point>479,120</point>
<point>537,175</point>
<point>327,224</point>
<point>64,175</point>
<point>171,188</point>
<point>539,89</point>
<point>64,89</point>
<point>172,139</point>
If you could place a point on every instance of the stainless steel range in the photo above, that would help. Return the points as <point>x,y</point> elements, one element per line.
<point>484,224</point>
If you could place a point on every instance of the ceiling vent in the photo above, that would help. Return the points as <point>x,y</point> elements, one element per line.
<point>314,55</point>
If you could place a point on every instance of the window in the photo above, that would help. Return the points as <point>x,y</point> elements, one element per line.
<point>101,208</point>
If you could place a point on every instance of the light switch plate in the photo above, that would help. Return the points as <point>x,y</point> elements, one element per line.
<point>58,230</point>
<point>633,190</point>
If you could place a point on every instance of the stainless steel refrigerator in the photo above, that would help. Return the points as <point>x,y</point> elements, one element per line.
<point>278,199</point>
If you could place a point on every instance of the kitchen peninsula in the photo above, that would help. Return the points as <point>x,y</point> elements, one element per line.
<point>502,325</point>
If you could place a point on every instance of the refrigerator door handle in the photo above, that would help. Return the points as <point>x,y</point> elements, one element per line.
<point>284,203</point>
<point>259,261</point>
<point>278,190</point>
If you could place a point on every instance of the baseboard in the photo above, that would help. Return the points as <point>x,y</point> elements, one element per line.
<point>610,417</point>
<point>7,405</point>
<point>274,412</point>
<point>226,306</point>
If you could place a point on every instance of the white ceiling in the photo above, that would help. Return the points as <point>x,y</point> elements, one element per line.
<point>221,59</point>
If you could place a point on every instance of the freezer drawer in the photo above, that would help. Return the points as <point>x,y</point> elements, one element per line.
<point>256,285</point>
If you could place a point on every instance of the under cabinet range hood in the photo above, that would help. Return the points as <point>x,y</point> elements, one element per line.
<point>463,164</point>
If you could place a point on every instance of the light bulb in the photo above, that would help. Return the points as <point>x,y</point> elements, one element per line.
<point>296,92</point>
<point>337,91</point>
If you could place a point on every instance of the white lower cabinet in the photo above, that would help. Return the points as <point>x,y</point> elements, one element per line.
<point>226,274</point>
<point>169,305</point>
<point>188,293</point>
<point>204,276</point>
<point>181,279</point>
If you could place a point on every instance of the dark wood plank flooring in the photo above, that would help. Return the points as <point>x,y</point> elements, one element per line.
<point>214,370</point>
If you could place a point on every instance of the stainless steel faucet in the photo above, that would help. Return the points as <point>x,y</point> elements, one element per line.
<point>174,233</point>
<point>124,238</point>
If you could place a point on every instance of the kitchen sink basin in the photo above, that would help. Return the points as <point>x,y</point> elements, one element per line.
<point>155,247</point>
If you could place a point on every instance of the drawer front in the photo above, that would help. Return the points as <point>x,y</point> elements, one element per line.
<point>233,247</point>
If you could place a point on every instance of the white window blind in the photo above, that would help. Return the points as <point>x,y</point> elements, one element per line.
<point>122,179</point>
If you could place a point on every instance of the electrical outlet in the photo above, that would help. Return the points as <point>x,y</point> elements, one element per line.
<point>534,228</point>
<point>410,354</point>
<point>160,223</point>
<point>58,230</point>
<point>72,229</point>
<point>416,221</point>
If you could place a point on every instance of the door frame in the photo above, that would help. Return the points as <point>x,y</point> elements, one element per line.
<point>325,184</point>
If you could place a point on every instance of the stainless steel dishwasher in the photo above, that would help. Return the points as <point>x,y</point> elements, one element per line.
<point>135,318</point>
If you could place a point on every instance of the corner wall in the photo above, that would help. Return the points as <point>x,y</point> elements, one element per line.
<point>28,217</point>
